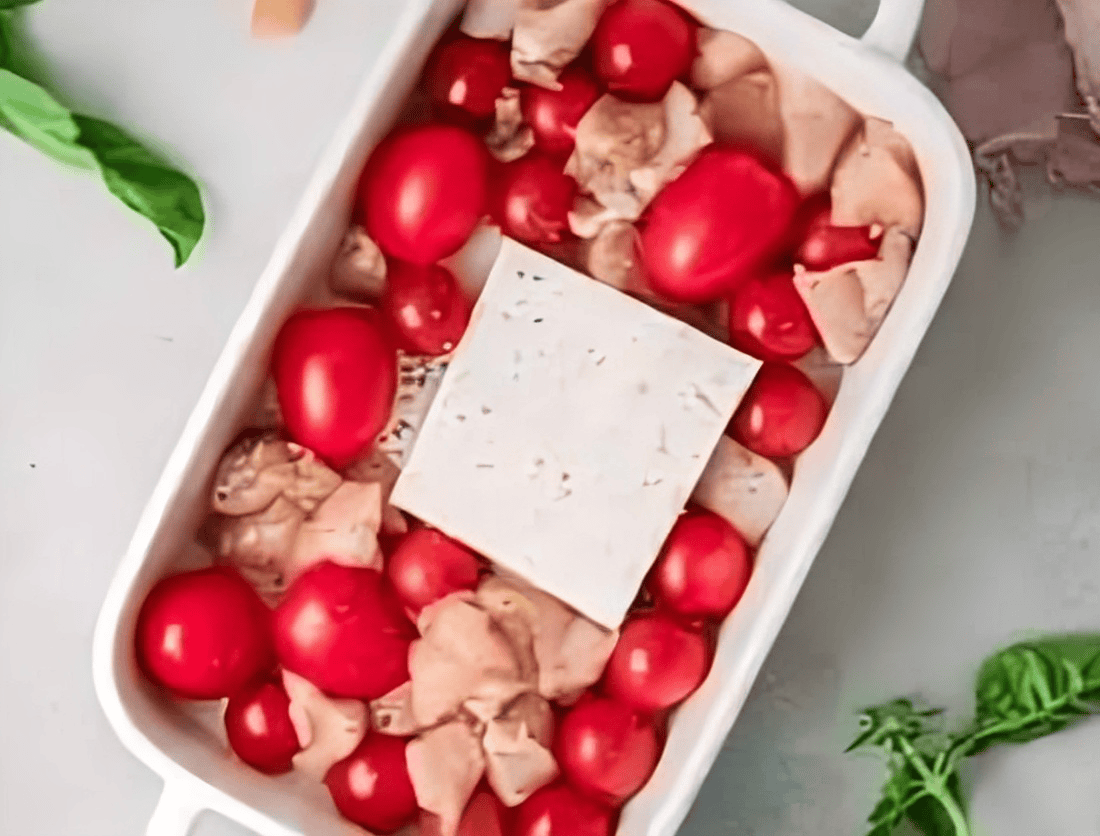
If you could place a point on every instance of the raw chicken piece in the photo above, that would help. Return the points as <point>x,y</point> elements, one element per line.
<point>876,181</point>
<point>509,138</point>
<point>546,34</point>
<point>741,101</point>
<point>724,56</point>
<point>816,125</point>
<point>780,110</point>
<point>626,152</point>
<point>359,269</point>
<point>377,467</point>
<point>746,489</point>
<point>569,650</point>
<point>258,545</point>
<point>328,729</point>
<point>259,469</point>
<point>489,19</point>
<point>849,302</point>
<point>518,759</point>
<point>549,34</point>
<point>445,765</point>
<point>613,256</point>
<point>392,713</point>
<point>462,655</point>
<point>344,529</point>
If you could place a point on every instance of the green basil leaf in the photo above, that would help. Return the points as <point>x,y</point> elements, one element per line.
<point>5,42</point>
<point>14,4</point>
<point>37,118</point>
<point>1034,689</point>
<point>146,183</point>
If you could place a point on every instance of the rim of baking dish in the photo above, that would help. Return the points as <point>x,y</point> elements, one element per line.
<point>867,74</point>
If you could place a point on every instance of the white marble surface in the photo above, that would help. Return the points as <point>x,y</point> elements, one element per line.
<point>976,515</point>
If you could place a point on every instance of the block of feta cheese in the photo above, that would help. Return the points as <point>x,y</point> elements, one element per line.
<point>569,430</point>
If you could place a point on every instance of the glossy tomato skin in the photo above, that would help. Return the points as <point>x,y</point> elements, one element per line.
<point>559,810</point>
<point>467,75</point>
<point>606,749</point>
<point>425,308</point>
<point>423,191</point>
<point>822,246</point>
<point>427,565</point>
<point>641,46</point>
<point>341,627</point>
<point>656,663</point>
<point>485,815</point>
<point>257,723</point>
<point>335,375</point>
<point>712,227</point>
<point>769,320</point>
<point>203,634</point>
<point>703,568</point>
<point>371,786</point>
<point>531,198</point>
<point>553,114</point>
<point>781,414</point>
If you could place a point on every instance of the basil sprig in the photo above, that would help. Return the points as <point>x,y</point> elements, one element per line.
<point>136,175</point>
<point>1024,692</point>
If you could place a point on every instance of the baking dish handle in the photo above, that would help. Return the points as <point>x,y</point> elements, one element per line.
<point>894,27</point>
<point>175,812</point>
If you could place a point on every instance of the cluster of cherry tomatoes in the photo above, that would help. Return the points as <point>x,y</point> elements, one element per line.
<point>730,228</point>
<point>205,634</point>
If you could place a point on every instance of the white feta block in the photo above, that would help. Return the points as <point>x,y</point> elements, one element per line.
<point>569,431</point>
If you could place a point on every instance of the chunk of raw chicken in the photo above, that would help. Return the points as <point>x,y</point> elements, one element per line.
<point>627,151</point>
<point>328,729</point>
<point>746,489</point>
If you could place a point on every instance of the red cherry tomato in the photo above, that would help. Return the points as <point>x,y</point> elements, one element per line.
<point>553,114</point>
<point>656,663</point>
<point>342,629</point>
<point>703,568</point>
<point>423,192</point>
<point>425,307</point>
<point>711,227</point>
<point>606,749</point>
<point>336,377</point>
<point>531,199</point>
<point>257,722</point>
<point>371,786</point>
<point>824,246</point>
<point>485,815</point>
<point>203,634</point>
<point>781,414</point>
<point>769,320</point>
<point>428,565</point>
<point>559,810</point>
<point>641,47</point>
<point>467,74</point>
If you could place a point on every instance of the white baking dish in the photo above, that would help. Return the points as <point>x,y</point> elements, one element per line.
<point>184,743</point>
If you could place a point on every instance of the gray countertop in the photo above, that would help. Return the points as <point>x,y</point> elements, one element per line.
<point>974,519</point>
